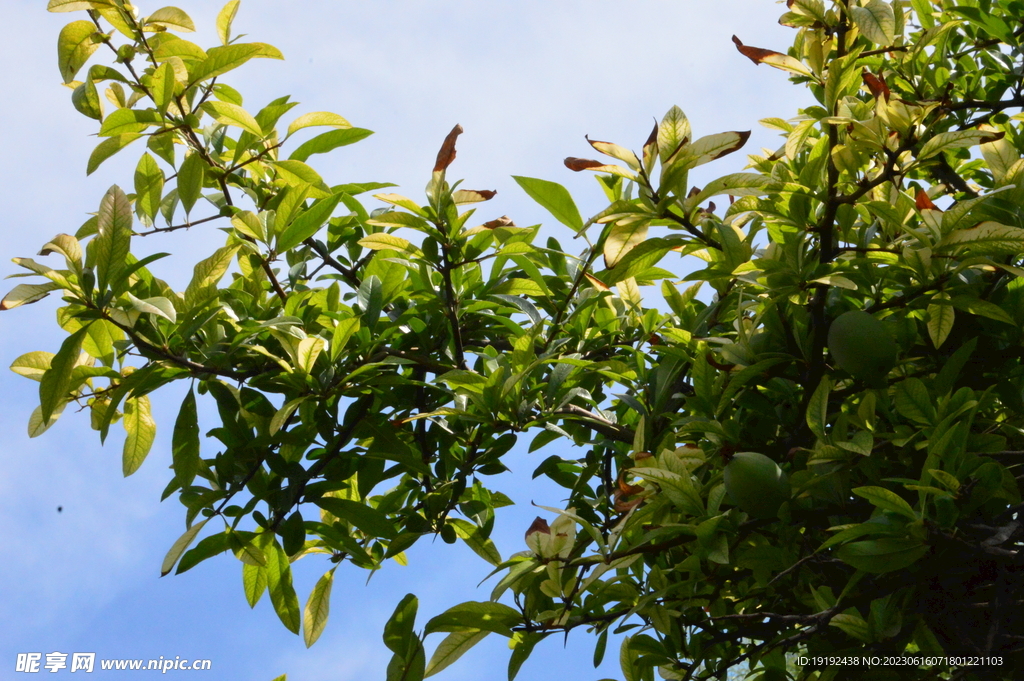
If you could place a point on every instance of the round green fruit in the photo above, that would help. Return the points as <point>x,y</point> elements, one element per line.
<point>756,484</point>
<point>862,346</point>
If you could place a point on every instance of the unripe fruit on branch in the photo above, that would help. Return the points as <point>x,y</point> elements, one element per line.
<point>756,484</point>
<point>863,347</point>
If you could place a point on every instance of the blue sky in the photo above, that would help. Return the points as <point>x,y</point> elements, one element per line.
<point>526,80</point>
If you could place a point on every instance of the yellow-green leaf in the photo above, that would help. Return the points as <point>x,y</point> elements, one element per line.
<point>342,333</point>
<point>75,45</point>
<point>876,21</point>
<point>254,582</point>
<point>25,294</point>
<point>318,607</point>
<point>519,287</point>
<point>129,120</point>
<point>282,593</point>
<point>37,426</point>
<point>179,547</point>
<point>141,429</point>
<point>382,242</point>
<point>162,86</point>
<point>224,19</point>
<point>232,114</point>
<point>886,499</point>
<point>940,320</point>
<point>206,274</point>
<point>622,238</point>
<point>307,353</point>
<point>318,118</point>
<point>281,415</point>
<point>149,187</point>
<point>32,364</point>
<point>171,18</point>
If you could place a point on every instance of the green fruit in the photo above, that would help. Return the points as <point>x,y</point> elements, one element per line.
<point>862,346</point>
<point>756,484</point>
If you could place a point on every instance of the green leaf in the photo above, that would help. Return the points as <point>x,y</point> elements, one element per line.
<point>86,100</point>
<point>475,539</point>
<point>282,593</point>
<point>452,648</point>
<point>108,148</point>
<point>179,547</point>
<point>981,307</point>
<point>673,131</point>
<point>318,118</point>
<point>914,402</point>
<point>308,351</point>
<point>518,287</point>
<point>56,382</point>
<point>213,545</point>
<point>206,274</point>
<point>523,649</point>
<point>314,618</point>
<point>368,520</point>
<point>398,632</point>
<point>484,616</point>
<point>125,120</point>
<point>329,141</point>
<point>887,499</point>
<point>956,139</point>
<point>678,488</point>
<point>141,429</point>
<point>112,243</point>
<point>190,180</point>
<point>220,60</point>
<point>185,441</point>
<point>342,333</point>
<point>817,408</point>
<point>188,52</point>
<point>877,556</point>
<point>254,582</point>
<point>75,44</point>
<point>149,187</point>
<point>224,19</point>
<point>553,197</point>
<point>171,18</point>
<point>308,223</point>
<point>940,320</point>
<point>162,86</point>
<point>876,21</point>
<point>232,114</point>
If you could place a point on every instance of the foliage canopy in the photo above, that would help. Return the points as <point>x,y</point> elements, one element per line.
<point>370,368</point>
